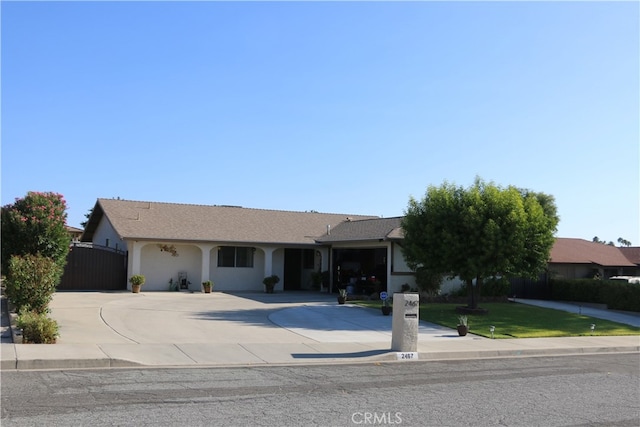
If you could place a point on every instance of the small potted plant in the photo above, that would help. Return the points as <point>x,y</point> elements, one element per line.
<point>270,282</point>
<point>386,307</point>
<point>137,280</point>
<point>207,286</point>
<point>463,325</point>
<point>342,296</point>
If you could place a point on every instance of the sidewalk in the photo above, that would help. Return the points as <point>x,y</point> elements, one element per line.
<point>101,330</point>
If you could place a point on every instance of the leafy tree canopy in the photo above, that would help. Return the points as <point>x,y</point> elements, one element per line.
<point>35,224</point>
<point>621,242</point>
<point>479,232</point>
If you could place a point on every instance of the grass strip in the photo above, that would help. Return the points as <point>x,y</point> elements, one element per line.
<point>512,320</point>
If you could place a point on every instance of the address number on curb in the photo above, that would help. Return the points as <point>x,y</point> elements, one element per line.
<point>412,355</point>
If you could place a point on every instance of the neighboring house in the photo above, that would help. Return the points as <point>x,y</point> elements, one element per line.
<point>579,259</point>
<point>74,233</point>
<point>234,247</point>
<point>633,255</point>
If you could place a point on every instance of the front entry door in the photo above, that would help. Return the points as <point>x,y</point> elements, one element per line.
<point>292,269</point>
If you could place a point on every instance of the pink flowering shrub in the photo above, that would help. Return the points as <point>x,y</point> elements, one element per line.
<point>35,224</point>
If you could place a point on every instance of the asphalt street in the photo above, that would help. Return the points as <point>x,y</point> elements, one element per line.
<point>582,390</point>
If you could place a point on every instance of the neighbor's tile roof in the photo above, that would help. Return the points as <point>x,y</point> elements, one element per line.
<point>171,221</point>
<point>365,229</point>
<point>579,251</point>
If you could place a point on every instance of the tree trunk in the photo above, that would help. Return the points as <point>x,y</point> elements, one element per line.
<point>474,292</point>
<point>472,296</point>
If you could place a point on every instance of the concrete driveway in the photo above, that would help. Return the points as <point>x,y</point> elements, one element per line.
<point>180,317</point>
<point>118,329</point>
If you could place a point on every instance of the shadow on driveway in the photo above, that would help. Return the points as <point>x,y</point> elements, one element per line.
<point>252,316</point>
<point>286,297</point>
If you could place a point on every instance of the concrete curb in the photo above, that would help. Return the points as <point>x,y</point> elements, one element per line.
<point>68,357</point>
<point>14,331</point>
<point>497,354</point>
<point>53,356</point>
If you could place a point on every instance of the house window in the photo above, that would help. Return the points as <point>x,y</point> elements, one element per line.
<point>227,256</point>
<point>231,256</point>
<point>244,257</point>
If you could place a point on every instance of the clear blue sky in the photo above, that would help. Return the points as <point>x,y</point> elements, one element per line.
<point>335,107</point>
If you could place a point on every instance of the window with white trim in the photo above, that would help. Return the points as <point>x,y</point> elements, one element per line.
<point>235,256</point>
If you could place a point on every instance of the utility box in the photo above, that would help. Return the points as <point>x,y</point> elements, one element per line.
<point>404,334</point>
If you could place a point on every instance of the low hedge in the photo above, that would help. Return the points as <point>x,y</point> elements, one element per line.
<point>615,294</point>
<point>31,282</point>
<point>37,328</point>
<point>491,288</point>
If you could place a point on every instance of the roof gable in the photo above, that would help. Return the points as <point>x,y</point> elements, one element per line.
<point>172,221</point>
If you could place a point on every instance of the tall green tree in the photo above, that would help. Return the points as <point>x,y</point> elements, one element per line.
<point>479,232</point>
<point>84,223</point>
<point>624,242</point>
<point>604,242</point>
<point>36,225</point>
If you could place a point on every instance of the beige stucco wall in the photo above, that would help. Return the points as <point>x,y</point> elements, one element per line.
<point>238,278</point>
<point>400,272</point>
<point>158,267</point>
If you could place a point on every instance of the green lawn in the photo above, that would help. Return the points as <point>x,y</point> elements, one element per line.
<point>519,321</point>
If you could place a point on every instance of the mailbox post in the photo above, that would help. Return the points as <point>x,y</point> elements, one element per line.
<point>404,334</point>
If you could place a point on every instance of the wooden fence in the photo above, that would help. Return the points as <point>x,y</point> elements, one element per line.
<point>93,267</point>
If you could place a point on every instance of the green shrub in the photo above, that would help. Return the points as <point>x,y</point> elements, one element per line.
<point>461,292</point>
<point>137,279</point>
<point>578,290</point>
<point>621,296</point>
<point>495,287</point>
<point>428,281</point>
<point>31,282</point>
<point>37,328</point>
<point>270,282</point>
<point>616,295</point>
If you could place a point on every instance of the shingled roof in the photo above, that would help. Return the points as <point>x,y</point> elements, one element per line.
<point>579,251</point>
<point>632,253</point>
<point>172,221</point>
<point>364,230</point>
